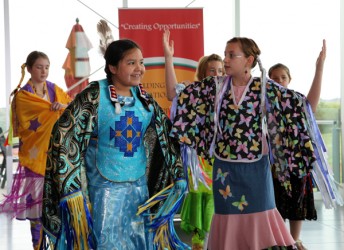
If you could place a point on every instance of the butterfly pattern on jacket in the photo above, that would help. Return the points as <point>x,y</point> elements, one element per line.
<point>244,131</point>
<point>286,124</point>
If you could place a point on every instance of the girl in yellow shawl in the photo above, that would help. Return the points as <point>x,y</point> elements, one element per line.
<point>35,109</point>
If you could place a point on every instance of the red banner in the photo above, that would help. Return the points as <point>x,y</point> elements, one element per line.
<point>146,27</point>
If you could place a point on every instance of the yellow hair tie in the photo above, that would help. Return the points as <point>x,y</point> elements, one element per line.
<point>20,82</point>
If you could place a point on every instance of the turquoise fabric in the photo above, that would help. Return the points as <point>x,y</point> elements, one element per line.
<point>115,223</point>
<point>120,138</point>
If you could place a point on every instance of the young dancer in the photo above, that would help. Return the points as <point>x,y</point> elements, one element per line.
<point>225,117</point>
<point>97,180</point>
<point>300,204</point>
<point>35,108</point>
<point>198,205</point>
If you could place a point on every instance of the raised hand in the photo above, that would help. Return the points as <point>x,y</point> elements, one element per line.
<point>322,55</point>
<point>167,44</point>
<point>313,96</point>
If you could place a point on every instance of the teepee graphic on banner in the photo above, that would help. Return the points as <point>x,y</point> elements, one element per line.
<point>77,65</point>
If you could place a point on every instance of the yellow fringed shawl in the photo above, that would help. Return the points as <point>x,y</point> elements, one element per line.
<point>32,121</point>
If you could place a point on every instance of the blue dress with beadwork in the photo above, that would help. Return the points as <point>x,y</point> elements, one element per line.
<point>115,166</point>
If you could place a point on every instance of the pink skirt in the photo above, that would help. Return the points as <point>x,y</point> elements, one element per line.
<point>246,217</point>
<point>245,231</point>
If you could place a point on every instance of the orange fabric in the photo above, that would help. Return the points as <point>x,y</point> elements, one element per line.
<point>34,124</point>
<point>77,64</point>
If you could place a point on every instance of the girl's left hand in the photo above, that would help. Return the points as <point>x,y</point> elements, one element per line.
<point>322,55</point>
<point>55,106</point>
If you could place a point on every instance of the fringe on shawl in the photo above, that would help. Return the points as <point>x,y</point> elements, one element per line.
<point>322,172</point>
<point>13,127</point>
<point>26,194</point>
<point>161,223</point>
<point>196,166</point>
<point>76,228</point>
<point>191,160</point>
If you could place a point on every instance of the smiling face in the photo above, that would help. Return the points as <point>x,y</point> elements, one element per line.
<point>39,70</point>
<point>129,71</point>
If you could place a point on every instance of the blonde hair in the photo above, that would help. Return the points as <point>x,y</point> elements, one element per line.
<point>201,71</point>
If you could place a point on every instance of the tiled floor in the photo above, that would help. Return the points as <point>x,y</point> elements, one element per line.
<point>325,233</point>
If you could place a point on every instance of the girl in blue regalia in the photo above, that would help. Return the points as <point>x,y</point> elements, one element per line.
<point>109,153</point>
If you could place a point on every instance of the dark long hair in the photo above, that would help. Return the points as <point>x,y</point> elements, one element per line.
<point>115,52</point>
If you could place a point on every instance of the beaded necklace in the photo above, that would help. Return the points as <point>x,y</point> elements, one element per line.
<point>119,102</point>
<point>44,90</point>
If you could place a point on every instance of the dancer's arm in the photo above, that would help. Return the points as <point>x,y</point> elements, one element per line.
<point>315,90</point>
